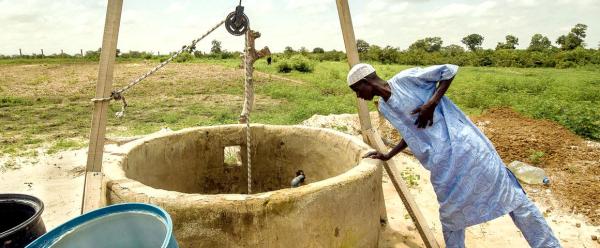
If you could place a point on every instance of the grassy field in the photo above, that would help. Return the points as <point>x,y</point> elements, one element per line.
<point>47,104</point>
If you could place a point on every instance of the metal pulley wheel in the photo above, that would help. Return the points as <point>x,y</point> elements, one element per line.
<point>237,22</point>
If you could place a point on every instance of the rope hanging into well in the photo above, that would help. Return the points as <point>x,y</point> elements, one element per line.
<point>248,76</point>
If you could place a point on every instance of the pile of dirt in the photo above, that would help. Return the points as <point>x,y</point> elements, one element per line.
<point>572,163</point>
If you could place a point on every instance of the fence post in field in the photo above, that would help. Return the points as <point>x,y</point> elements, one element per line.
<point>20,53</point>
<point>81,52</point>
<point>42,52</point>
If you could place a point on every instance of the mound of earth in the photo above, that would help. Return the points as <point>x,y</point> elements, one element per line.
<point>572,163</point>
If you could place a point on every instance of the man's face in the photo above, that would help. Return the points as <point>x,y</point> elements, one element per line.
<point>363,90</point>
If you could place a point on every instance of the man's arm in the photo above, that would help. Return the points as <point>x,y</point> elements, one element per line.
<point>441,90</point>
<point>385,157</point>
<point>426,110</point>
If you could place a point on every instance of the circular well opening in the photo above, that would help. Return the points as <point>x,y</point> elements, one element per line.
<point>212,160</point>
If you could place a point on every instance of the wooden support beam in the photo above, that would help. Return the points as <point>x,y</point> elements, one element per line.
<point>251,55</point>
<point>93,184</point>
<point>372,137</point>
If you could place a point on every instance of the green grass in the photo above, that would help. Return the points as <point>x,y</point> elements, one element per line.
<point>64,144</point>
<point>72,60</point>
<point>536,157</point>
<point>568,96</point>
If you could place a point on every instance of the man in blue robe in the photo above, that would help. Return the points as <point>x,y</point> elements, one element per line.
<point>469,178</point>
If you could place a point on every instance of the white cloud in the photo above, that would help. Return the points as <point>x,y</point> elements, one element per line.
<point>177,7</point>
<point>310,7</point>
<point>158,25</point>
<point>525,3</point>
<point>461,10</point>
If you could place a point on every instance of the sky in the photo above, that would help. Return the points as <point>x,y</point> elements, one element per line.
<point>163,26</point>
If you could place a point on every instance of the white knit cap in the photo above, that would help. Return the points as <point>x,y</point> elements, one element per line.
<point>358,72</point>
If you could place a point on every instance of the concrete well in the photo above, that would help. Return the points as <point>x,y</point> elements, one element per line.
<point>186,172</point>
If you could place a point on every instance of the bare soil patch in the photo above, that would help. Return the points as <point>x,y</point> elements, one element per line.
<point>572,163</point>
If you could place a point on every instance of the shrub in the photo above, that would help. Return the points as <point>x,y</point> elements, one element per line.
<point>297,62</point>
<point>183,57</point>
<point>565,64</point>
<point>302,64</point>
<point>284,66</point>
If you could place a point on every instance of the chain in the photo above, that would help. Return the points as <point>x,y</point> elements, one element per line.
<point>161,65</point>
<point>118,94</point>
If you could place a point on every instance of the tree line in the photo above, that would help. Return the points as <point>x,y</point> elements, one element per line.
<point>569,51</point>
<point>216,52</point>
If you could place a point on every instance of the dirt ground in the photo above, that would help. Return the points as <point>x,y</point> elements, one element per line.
<point>573,228</point>
<point>58,180</point>
<point>572,164</point>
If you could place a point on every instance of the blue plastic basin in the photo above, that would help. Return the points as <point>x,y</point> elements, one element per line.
<point>122,225</point>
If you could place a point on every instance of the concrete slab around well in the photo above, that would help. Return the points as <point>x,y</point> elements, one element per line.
<point>187,174</point>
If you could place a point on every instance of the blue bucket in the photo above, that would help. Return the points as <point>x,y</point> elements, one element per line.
<point>121,225</point>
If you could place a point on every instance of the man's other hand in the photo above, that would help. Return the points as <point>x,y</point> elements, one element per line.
<point>377,155</point>
<point>425,117</point>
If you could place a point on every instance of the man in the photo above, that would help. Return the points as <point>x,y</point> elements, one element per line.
<point>469,178</point>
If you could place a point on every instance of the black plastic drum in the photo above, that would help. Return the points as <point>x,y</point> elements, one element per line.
<point>20,220</point>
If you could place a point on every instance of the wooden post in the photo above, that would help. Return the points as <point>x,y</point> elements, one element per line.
<point>81,52</point>
<point>42,52</point>
<point>251,56</point>
<point>20,53</point>
<point>372,137</point>
<point>92,194</point>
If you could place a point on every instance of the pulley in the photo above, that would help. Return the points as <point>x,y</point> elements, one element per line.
<point>237,22</point>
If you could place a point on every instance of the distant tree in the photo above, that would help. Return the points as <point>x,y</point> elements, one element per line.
<point>452,50</point>
<point>389,55</point>
<point>318,50</point>
<point>574,38</point>
<point>579,30</point>
<point>192,48</point>
<point>429,44</point>
<point>216,47</point>
<point>473,41</point>
<point>92,54</point>
<point>288,50</point>
<point>539,43</point>
<point>303,50</point>
<point>511,43</point>
<point>362,46</point>
<point>373,53</point>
